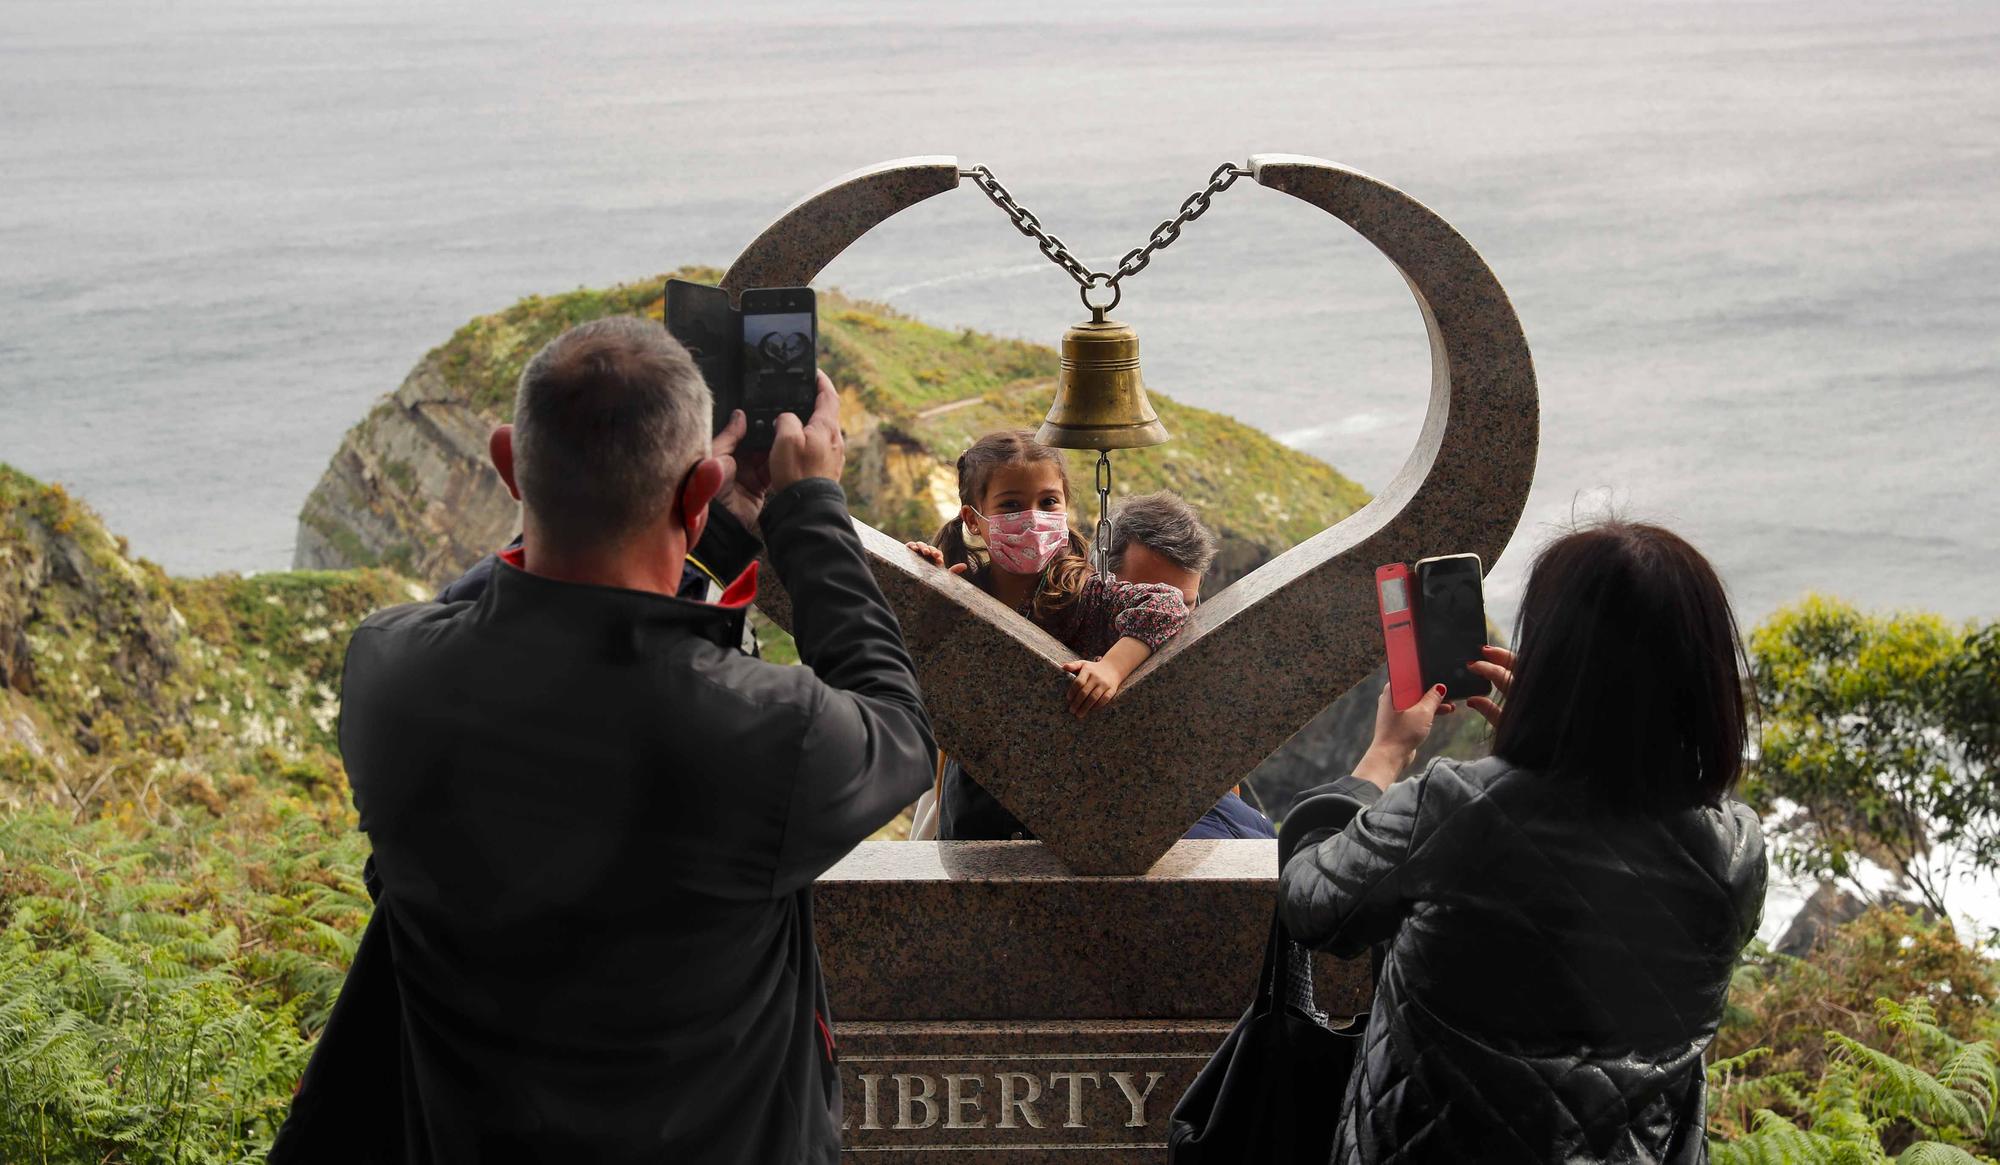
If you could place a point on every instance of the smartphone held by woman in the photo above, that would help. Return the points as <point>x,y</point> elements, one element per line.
<point>1433,626</point>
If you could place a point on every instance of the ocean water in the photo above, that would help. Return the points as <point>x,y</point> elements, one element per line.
<point>1752,244</point>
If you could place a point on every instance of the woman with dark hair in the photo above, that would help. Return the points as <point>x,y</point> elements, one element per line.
<point>1555,924</point>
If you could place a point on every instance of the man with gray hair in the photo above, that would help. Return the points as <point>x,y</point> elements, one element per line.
<point>1158,538</point>
<point>596,822</point>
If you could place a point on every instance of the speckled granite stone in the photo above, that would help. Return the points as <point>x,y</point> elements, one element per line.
<point>1018,1093</point>
<point>1259,659</point>
<point>792,251</point>
<point>999,930</point>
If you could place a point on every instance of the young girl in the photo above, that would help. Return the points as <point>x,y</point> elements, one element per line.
<point>1012,539</point>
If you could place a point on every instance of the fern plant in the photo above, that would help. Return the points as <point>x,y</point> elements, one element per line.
<point>1869,1105</point>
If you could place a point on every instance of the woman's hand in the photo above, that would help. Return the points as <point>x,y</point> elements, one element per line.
<point>932,555</point>
<point>1098,680</point>
<point>1397,735</point>
<point>1497,668</point>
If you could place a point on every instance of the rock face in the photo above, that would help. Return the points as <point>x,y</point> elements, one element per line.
<point>90,644</point>
<point>410,486</point>
<point>116,678</point>
<point>1822,914</point>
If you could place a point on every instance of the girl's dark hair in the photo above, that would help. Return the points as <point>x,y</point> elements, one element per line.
<point>1063,579</point>
<point>1628,674</point>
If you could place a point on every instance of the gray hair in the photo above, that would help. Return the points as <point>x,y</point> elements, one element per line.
<point>1166,525</point>
<point>609,418</point>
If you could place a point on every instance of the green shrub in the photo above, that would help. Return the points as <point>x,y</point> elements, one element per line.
<point>1787,1005</point>
<point>117,1052</point>
<point>1881,729</point>
<point>1935,1104</point>
<point>161,982</point>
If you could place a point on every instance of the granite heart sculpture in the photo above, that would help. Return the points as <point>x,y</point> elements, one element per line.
<point>1112,793</point>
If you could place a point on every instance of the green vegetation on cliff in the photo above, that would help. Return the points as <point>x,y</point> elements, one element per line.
<point>896,363</point>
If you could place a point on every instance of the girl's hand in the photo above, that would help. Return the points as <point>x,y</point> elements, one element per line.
<point>1397,735</point>
<point>1095,683</point>
<point>932,555</point>
<point>1497,668</point>
<point>1099,680</point>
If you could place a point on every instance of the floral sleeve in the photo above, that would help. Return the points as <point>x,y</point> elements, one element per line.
<point>1152,613</point>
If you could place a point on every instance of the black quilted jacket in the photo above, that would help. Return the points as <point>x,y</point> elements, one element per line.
<point>1551,977</point>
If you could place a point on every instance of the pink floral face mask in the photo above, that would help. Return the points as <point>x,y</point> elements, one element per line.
<point>1026,541</point>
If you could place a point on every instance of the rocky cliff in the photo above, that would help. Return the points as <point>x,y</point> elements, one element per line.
<point>118,683</point>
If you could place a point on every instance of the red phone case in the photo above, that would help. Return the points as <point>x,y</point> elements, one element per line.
<point>1399,635</point>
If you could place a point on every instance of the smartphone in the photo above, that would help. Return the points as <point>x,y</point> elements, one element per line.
<point>780,359</point>
<point>1399,634</point>
<point>1451,624</point>
<point>702,319</point>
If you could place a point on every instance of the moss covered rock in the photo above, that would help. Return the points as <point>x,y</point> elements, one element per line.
<point>119,684</point>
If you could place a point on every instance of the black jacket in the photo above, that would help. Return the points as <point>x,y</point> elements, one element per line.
<point>596,825</point>
<point>1551,977</point>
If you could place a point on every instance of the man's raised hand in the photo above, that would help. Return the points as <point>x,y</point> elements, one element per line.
<point>814,449</point>
<point>746,479</point>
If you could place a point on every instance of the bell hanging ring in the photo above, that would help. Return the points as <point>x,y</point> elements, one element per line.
<point>1100,400</point>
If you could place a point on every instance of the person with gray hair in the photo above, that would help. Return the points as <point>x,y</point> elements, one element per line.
<point>1158,538</point>
<point>595,821</point>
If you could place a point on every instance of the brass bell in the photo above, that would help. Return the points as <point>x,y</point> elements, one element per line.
<point>1100,400</point>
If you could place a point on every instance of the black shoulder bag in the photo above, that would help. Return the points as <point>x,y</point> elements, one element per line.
<point>1272,1092</point>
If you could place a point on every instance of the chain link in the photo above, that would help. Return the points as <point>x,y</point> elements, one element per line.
<point>1135,260</point>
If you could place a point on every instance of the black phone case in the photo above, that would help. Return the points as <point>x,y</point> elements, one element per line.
<point>1448,640</point>
<point>711,329</point>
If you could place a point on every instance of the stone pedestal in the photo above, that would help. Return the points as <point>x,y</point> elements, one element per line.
<point>992,1007</point>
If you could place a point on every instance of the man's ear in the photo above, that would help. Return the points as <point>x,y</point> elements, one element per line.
<point>703,482</point>
<point>500,446</point>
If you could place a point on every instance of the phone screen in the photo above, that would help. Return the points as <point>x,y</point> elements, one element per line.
<point>1451,624</point>
<point>778,360</point>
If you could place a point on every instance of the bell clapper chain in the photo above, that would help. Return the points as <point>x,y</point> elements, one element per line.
<point>1103,547</point>
<point>1101,544</point>
<point>1133,262</point>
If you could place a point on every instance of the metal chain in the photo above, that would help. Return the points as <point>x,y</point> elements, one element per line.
<point>1134,261</point>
